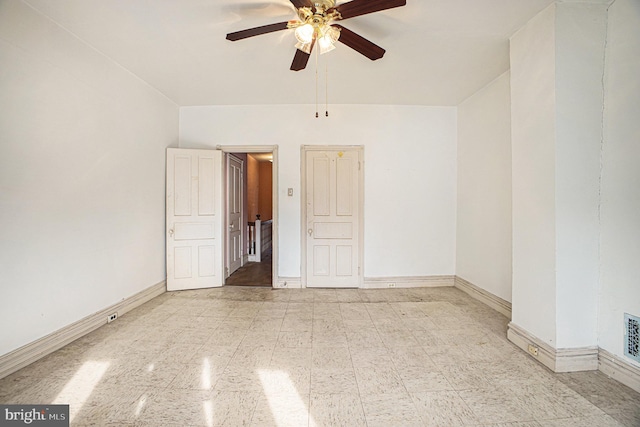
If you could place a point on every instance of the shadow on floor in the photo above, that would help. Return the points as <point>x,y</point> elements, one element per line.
<point>253,273</point>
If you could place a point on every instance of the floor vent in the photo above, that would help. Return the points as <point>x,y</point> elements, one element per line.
<point>632,337</point>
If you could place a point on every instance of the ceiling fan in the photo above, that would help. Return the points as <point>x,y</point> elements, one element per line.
<point>316,24</point>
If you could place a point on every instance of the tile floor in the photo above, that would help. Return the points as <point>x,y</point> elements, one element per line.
<point>291,357</point>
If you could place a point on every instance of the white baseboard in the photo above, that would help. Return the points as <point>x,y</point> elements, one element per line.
<point>407,282</point>
<point>487,298</point>
<point>619,369</point>
<point>288,282</point>
<point>29,353</point>
<point>558,360</point>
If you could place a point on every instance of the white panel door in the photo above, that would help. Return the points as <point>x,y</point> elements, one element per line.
<point>194,219</point>
<point>235,223</point>
<point>333,209</point>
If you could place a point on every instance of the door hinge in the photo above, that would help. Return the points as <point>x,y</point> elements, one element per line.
<point>358,165</point>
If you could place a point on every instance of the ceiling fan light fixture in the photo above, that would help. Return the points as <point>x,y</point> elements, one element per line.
<point>330,35</point>
<point>305,47</point>
<point>325,49</point>
<point>304,33</point>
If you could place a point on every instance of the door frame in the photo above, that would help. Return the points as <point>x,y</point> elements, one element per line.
<point>227,165</point>
<point>303,206</point>
<point>273,149</point>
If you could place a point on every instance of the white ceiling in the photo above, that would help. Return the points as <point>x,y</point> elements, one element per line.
<point>438,51</point>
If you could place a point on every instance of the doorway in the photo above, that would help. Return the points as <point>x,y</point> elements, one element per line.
<point>257,265</point>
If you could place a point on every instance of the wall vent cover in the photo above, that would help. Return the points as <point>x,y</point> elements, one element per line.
<point>632,337</point>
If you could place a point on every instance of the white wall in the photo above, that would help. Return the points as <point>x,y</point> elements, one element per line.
<point>557,96</point>
<point>82,155</point>
<point>410,174</point>
<point>580,41</point>
<point>483,246</point>
<point>533,164</point>
<point>620,210</point>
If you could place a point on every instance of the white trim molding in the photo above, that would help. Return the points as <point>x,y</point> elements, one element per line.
<point>485,297</point>
<point>288,283</point>
<point>558,360</point>
<point>619,369</point>
<point>29,353</point>
<point>407,282</point>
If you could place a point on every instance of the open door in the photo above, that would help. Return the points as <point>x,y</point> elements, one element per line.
<point>195,238</point>
<point>235,214</point>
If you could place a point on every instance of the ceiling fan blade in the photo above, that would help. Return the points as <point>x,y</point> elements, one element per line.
<point>362,7</point>
<point>239,35</point>
<point>360,44</point>
<point>301,58</point>
<point>302,3</point>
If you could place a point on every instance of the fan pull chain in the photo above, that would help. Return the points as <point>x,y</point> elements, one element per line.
<point>317,84</point>
<point>326,89</point>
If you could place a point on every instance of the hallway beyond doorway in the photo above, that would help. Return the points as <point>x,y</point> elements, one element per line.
<point>253,273</point>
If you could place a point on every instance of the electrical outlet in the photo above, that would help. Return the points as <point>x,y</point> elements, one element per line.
<point>533,350</point>
<point>112,317</point>
<point>391,285</point>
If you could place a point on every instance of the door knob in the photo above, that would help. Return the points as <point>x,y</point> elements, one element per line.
<point>310,231</point>
<point>171,232</point>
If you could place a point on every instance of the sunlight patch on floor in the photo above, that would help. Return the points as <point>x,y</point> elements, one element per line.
<point>205,380</point>
<point>140,406</point>
<point>284,400</point>
<point>208,412</point>
<point>79,388</point>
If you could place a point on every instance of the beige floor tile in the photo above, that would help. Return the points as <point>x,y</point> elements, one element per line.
<point>417,379</point>
<point>296,323</point>
<point>294,339</point>
<point>334,381</point>
<point>329,339</point>
<point>372,357</point>
<point>443,409</point>
<point>216,408</point>
<point>336,410</point>
<point>465,376</point>
<point>226,338</point>
<point>290,357</point>
<point>408,310</point>
<point>515,424</point>
<point>281,411</point>
<point>197,376</point>
<point>249,357</point>
<point>379,380</point>
<point>496,405</point>
<point>593,421</point>
<point>354,311</point>
<point>215,355</point>
<point>389,409</point>
<point>398,339</point>
<point>411,357</point>
<point>239,379</point>
<point>364,338</point>
<point>629,418</point>
<point>331,358</point>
